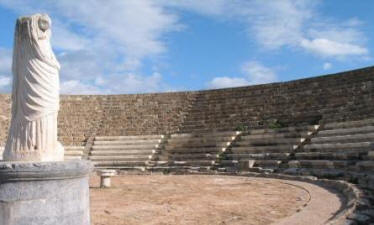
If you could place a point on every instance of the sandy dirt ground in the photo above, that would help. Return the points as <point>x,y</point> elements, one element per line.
<point>194,200</point>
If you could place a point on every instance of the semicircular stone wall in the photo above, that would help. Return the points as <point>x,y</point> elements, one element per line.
<point>337,97</point>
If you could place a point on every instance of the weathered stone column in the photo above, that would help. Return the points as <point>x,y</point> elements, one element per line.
<point>47,193</point>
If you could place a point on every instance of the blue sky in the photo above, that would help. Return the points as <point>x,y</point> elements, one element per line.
<point>138,46</point>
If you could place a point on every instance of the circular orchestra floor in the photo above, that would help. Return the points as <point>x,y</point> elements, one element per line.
<point>209,200</point>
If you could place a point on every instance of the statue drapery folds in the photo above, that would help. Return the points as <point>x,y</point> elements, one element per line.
<point>35,94</point>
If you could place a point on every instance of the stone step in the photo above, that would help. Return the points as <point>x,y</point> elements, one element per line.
<point>371,155</point>
<point>284,130</point>
<point>225,119</point>
<point>192,163</point>
<point>192,150</point>
<point>346,131</point>
<point>67,158</point>
<point>73,148</point>
<point>129,142</point>
<point>122,152</point>
<point>365,165</point>
<point>120,157</point>
<point>363,137</point>
<point>256,163</point>
<point>228,163</point>
<point>351,155</point>
<point>141,168</point>
<point>182,157</point>
<point>339,146</point>
<point>124,147</point>
<point>276,135</point>
<point>269,141</point>
<point>320,164</point>
<point>119,163</point>
<point>206,134</point>
<point>349,124</point>
<point>205,128</point>
<point>267,163</point>
<point>201,139</point>
<point>176,145</point>
<point>259,156</point>
<point>73,153</point>
<point>116,138</point>
<point>264,149</point>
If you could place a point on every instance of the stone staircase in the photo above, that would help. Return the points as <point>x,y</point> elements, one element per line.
<point>125,152</point>
<point>267,148</point>
<point>339,146</point>
<point>197,150</point>
<point>74,152</point>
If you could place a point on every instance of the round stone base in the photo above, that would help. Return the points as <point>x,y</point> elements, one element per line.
<point>46,193</point>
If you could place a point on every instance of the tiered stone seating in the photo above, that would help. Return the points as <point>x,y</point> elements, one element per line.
<point>79,117</point>
<point>338,146</point>
<point>342,150</point>
<point>74,152</point>
<point>268,148</point>
<point>125,152</point>
<point>144,114</point>
<point>302,102</point>
<point>197,149</point>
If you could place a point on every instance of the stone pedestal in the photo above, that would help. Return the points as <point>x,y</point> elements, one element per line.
<point>105,176</point>
<point>46,193</point>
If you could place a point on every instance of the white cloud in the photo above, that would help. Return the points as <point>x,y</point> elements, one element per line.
<point>257,73</point>
<point>115,84</point>
<point>5,61</point>
<point>102,38</point>
<point>5,70</point>
<point>5,81</point>
<point>224,82</point>
<point>206,7</point>
<point>297,24</point>
<point>111,39</point>
<point>325,47</point>
<point>278,23</point>
<point>67,40</point>
<point>132,27</point>
<point>78,87</point>
<point>253,73</point>
<point>327,66</point>
<point>131,83</point>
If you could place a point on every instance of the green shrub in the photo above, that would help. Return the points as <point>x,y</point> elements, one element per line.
<point>276,124</point>
<point>241,128</point>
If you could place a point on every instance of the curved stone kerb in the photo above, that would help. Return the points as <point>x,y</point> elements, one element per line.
<point>30,171</point>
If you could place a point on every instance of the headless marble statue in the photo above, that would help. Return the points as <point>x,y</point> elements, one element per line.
<point>35,95</point>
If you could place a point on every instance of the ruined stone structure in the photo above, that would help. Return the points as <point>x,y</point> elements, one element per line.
<point>339,97</point>
<point>321,127</point>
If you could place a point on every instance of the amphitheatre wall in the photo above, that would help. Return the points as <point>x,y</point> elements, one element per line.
<point>338,97</point>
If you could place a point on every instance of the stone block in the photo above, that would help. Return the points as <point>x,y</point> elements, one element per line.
<point>47,193</point>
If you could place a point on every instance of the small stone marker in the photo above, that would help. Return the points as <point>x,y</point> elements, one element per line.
<point>251,163</point>
<point>105,176</point>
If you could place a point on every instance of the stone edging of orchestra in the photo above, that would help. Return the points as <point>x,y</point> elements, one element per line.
<point>356,201</point>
